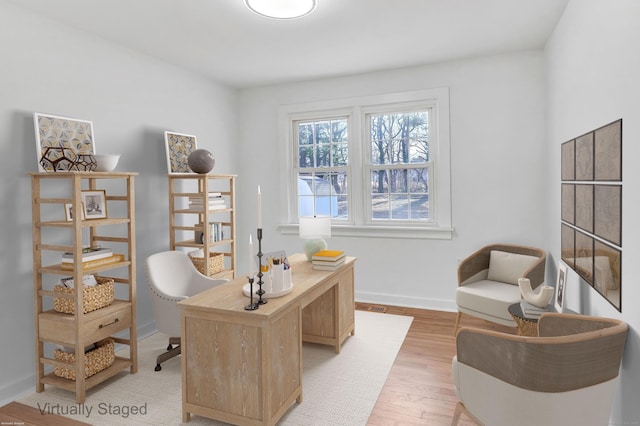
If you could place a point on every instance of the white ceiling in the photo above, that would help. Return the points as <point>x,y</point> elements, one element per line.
<point>223,40</point>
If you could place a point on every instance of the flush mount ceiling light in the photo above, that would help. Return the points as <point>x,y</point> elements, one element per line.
<point>281,9</point>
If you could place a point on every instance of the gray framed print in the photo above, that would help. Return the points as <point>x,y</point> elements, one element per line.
<point>179,146</point>
<point>584,157</point>
<point>608,213</point>
<point>584,207</point>
<point>568,160</point>
<point>608,152</point>
<point>584,256</point>
<point>568,196</point>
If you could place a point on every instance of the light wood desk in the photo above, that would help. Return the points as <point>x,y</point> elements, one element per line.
<point>245,367</point>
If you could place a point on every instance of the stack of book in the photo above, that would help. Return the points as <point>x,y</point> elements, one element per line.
<point>328,260</point>
<point>215,201</point>
<point>92,257</point>
<point>532,311</point>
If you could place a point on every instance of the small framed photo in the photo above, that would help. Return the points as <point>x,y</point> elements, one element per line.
<point>561,285</point>
<point>68,212</point>
<point>179,146</point>
<point>94,204</point>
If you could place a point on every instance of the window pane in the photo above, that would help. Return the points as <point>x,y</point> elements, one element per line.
<point>405,192</point>
<point>419,207</point>
<point>380,207</point>
<point>323,194</point>
<point>339,154</point>
<point>399,207</point>
<point>399,138</point>
<point>305,156</point>
<point>305,133</point>
<point>379,181</point>
<point>323,155</point>
<point>323,132</point>
<point>339,131</point>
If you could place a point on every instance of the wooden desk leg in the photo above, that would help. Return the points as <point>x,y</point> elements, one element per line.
<point>186,416</point>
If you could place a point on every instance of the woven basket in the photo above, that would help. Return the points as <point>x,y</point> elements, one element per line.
<point>94,297</point>
<point>216,262</point>
<point>95,360</point>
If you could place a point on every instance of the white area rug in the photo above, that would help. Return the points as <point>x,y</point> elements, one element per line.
<point>337,389</point>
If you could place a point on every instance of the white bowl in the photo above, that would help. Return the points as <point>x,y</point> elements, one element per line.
<point>106,162</point>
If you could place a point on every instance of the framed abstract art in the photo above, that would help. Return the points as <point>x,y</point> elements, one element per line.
<point>59,139</point>
<point>179,146</point>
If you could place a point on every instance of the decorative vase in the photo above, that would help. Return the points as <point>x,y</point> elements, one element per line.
<point>541,298</point>
<point>85,162</point>
<point>57,159</point>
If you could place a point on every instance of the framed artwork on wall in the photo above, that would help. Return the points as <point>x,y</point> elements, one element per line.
<point>561,284</point>
<point>179,146</point>
<point>591,208</point>
<point>584,157</point>
<point>568,160</point>
<point>607,272</point>
<point>608,213</point>
<point>608,152</point>
<point>59,139</point>
<point>568,196</point>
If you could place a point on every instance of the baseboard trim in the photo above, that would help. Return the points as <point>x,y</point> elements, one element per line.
<point>406,301</point>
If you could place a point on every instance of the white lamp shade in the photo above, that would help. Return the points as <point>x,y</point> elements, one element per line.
<point>315,227</point>
<point>281,9</point>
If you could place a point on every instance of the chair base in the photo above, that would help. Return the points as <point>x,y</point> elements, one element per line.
<point>171,352</point>
<point>460,408</point>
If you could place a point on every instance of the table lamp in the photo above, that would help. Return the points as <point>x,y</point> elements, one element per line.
<point>314,230</point>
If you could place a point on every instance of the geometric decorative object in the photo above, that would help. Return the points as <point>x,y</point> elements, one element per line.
<point>85,162</point>
<point>179,147</point>
<point>591,208</point>
<point>57,159</point>
<point>201,161</point>
<point>61,132</point>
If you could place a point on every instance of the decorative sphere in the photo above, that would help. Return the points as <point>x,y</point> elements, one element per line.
<point>201,161</point>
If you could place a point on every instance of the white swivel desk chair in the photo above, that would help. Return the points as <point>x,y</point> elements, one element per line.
<point>172,277</point>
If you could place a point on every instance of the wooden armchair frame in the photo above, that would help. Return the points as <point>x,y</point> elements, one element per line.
<point>471,269</point>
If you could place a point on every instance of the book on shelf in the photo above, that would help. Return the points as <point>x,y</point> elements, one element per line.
<point>115,258</point>
<point>532,311</point>
<point>328,255</point>
<point>209,206</point>
<point>88,253</point>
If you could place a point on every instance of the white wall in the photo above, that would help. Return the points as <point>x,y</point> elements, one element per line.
<point>592,67</point>
<point>131,100</point>
<point>497,134</point>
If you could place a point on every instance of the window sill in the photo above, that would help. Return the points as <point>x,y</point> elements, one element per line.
<point>427,233</point>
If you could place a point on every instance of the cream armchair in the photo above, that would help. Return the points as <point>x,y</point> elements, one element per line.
<point>566,376</point>
<point>172,277</point>
<point>488,281</point>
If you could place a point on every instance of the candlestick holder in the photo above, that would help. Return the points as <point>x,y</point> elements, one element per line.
<point>251,306</point>
<point>260,291</point>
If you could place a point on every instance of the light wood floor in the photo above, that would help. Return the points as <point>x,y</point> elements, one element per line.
<point>418,391</point>
<point>419,388</point>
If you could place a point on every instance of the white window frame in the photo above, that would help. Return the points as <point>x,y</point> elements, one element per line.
<point>355,109</point>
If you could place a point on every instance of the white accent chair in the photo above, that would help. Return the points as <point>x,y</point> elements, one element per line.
<point>566,376</point>
<point>488,281</point>
<point>172,277</point>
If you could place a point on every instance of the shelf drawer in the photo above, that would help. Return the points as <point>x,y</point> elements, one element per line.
<point>60,327</point>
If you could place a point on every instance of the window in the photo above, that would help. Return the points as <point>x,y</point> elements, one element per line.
<point>378,166</point>
<point>398,166</point>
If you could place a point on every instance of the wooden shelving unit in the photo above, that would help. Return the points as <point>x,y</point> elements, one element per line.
<point>185,220</point>
<point>51,236</point>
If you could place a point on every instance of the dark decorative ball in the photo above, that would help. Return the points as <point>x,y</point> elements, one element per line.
<point>201,161</point>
